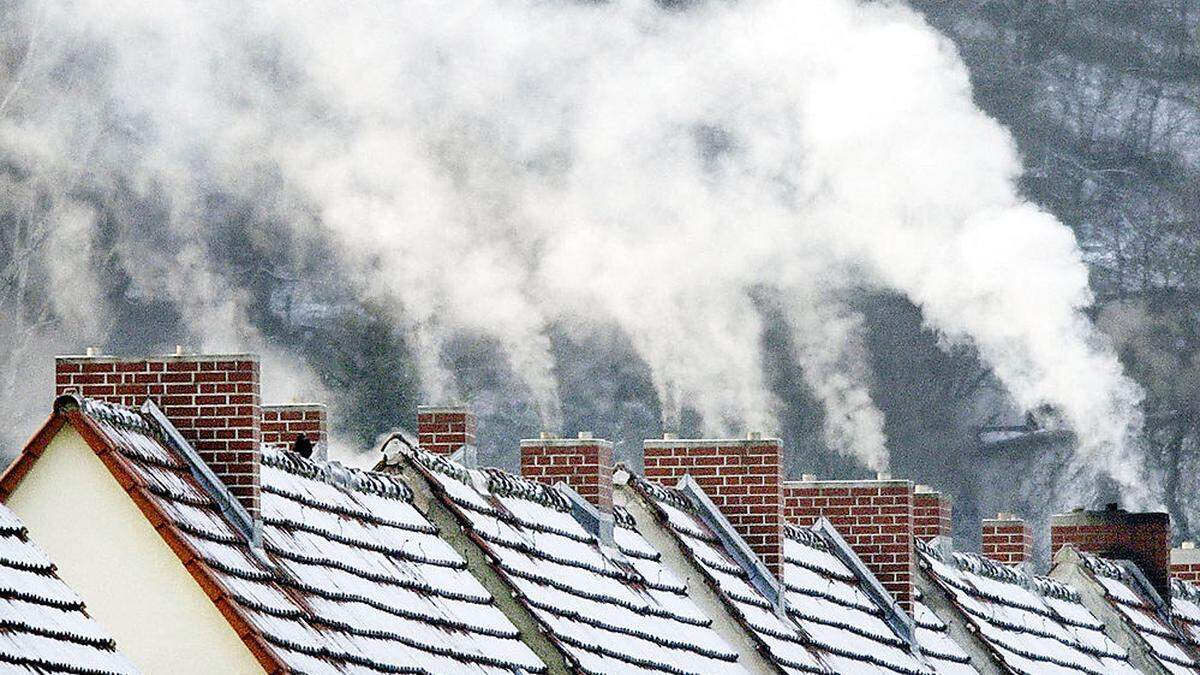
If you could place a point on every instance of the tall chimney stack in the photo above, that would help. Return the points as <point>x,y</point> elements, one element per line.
<point>1185,562</point>
<point>281,424</point>
<point>931,514</point>
<point>875,517</point>
<point>1142,538</point>
<point>743,478</point>
<point>442,430</point>
<point>1007,539</point>
<point>212,399</point>
<point>584,463</point>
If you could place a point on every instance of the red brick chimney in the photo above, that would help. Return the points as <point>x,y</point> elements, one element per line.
<point>442,430</point>
<point>743,478</point>
<point>1007,539</point>
<point>281,424</point>
<point>1142,538</point>
<point>213,400</point>
<point>1185,562</point>
<point>875,517</point>
<point>584,463</point>
<point>931,514</point>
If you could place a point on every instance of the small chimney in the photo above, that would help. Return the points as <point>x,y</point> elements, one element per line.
<point>213,400</point>
<point>584,463</point>
<point>1185,562</point>
<point>931,514</point>
<point>442,430</point>
<point>282,424</point>
<point>1141,538</point>
<point>876,517</point>
<point>743,478</point>
<point>1007,539</point>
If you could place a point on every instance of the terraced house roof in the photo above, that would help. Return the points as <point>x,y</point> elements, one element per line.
<point>1143,615</point>
<point>44,625</point>
<point>1032,625</point>
<point>349,577</point>
<point>609,608</point>
<point>828,622</point>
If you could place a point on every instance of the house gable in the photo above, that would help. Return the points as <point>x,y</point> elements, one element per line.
<point>133,583</point>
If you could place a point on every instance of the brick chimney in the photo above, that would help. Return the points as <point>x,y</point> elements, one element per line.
<point>281,424</point>
<point>1185,562</point>
<point>442,430</point>
<point>931,514</point>
<point>1116,534</point>
<point>875,517</point>
<point>1007,539</point>
<point>584,463</point>
<point>743,478</point>
<point>213,400</point>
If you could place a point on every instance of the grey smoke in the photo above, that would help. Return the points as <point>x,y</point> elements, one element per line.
<point>495,166</point>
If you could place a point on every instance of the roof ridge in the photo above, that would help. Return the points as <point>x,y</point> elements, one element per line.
<point>333,472</point>
<point>117,415</point>
<point>505,484</point>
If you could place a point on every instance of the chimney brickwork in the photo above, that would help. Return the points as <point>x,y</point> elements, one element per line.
<point>932,514</point>
<point>586,464</point>
<point>1115,534</point>
<point>213,400</point>
<point>281,424</point>
<point>442,430</point>
<point>1007,539</point>
<point>1185,563</point>
<point>743,478</point>
<point>875,517</point>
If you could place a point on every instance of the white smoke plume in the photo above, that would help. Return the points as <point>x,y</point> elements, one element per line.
<point>492,166</point>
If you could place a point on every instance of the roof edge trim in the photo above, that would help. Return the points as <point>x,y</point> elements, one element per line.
<point>758,574</point>
<point>897,618</point>
<point>595,521</point>
<point>225,501</point>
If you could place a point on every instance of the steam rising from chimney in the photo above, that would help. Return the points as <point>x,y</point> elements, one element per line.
<point>491,166</point>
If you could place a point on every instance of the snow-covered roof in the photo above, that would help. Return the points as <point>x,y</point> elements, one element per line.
<point>350,575</point>
<point>1185,611</point>
<point>44,626</point>
<point>830,624</point>
<point>779,638</point>
<point>1140,615</point>
<point>1034,625</point>
<point>610,609</point>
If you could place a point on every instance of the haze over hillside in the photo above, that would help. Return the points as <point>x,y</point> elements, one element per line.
<point>646,229</point>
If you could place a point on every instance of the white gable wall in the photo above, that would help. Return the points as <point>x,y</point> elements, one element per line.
<point>133,583</point>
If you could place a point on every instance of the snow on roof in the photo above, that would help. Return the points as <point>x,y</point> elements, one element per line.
<point>44,626</point>
<point>1185,610</point>
<point>780,639</point>
<point>350,575</point>
<point>609,609</point>
<point>1139,614</point>
<point>830,623</point>
<point>1034,625</point>
<point>938,648</point>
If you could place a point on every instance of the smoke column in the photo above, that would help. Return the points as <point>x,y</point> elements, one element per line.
<point>494,165</point>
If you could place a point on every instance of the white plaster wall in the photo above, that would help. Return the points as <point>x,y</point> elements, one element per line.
<point>132,582</point>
